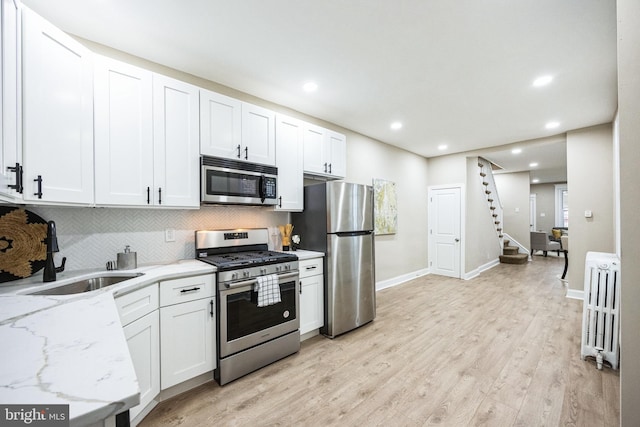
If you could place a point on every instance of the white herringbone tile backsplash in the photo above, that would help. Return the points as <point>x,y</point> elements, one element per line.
<point>89,237</point>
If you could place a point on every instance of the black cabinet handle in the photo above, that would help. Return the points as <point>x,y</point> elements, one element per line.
<point>329,167</point>
<point>246,153</point>
<point>238,150</point>
<point>18,171</point>
<point>148,195</point>
<point>325,168</point>
<point>39,181</point>
<point>211,312</point>
<point>189,290</point>
<point>21,177</point>
<point>159,195</point>
<point>300,287</point>
<point>280,201</point>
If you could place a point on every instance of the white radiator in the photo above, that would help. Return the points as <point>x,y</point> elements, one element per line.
<point>601,308</point>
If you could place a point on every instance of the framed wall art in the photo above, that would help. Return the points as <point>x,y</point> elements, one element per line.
<point>385,208</point>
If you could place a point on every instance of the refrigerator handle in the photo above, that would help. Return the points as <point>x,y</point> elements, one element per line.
<point>354,233</point>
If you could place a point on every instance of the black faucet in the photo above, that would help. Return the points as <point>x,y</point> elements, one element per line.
<point>50,268</point>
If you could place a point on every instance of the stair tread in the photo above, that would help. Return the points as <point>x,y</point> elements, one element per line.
<point>514,259</point>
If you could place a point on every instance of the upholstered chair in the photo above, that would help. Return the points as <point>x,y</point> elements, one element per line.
<point>540,242</point>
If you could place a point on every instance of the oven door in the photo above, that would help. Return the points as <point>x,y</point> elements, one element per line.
<point>242,324</point>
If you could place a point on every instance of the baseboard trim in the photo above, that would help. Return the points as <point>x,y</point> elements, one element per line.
<point>476,272</point>
<point>575,294</point>
<point>310,334</point>
<point>401,279</point>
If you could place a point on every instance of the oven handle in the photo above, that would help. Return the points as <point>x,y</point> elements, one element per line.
<point>250,282</point>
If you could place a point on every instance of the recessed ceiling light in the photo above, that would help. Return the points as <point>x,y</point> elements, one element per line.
<point>516,151</point>
<point>552,125</point>
<point>535,180</point>
<point>396,125</point>
<point>542,81</point>
<point>533,165</point>
<point>442,147</point>
<point>310,87</point>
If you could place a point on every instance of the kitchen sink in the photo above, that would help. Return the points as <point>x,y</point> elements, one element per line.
<point>87,285</point>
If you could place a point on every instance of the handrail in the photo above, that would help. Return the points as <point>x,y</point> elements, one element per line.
<point>516,243</point>
<point>493,199</point>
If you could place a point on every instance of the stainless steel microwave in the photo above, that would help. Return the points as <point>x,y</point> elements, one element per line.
<point>228,181</point>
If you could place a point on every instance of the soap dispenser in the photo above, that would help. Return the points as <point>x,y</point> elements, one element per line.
<point>127,260</point>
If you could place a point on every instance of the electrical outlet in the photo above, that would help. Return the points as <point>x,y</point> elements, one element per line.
<point>169,235</point>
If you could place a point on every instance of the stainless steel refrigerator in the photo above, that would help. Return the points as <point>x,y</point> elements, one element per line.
<point>338,220</point>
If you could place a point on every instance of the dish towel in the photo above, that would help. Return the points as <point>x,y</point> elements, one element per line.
<point>268,289</point>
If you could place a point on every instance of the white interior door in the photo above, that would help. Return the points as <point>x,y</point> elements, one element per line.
<point>444,231</point>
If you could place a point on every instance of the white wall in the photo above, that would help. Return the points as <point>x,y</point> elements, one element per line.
<point>480,241</point>
<point>545,204</point>
<point>482,245</point>
<point>513,189</point>
<point>590,184</point>
<point>406,251</point>
<point>628,12</point>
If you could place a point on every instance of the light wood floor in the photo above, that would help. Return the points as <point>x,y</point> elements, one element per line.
<point>502,349</point>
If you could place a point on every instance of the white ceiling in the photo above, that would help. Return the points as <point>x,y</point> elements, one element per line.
<point>454,72</point>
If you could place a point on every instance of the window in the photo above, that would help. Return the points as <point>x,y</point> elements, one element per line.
<point>562,205</point>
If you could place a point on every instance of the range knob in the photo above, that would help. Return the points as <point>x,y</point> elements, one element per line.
<point>234,276</point>
<point>263,271</point>
<point>246,273</point>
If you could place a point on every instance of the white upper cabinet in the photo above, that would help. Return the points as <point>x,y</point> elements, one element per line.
<point>220,129</point>
<point>123,133</point>
<point>258,135</point>
<point>289,160</point>
<point>338,158</point>
<point>237,130</point>
<point>57,115</point>
<point>324,152</point>
<point>176,173</point>
<point>10,104</point>
<point>146,138</point>
<point>315,150</point>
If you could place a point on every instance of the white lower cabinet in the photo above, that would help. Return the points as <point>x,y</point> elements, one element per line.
<point>187,329</point>
<point>144,342</point>
<point>311,295</point>
<point>139,314</point>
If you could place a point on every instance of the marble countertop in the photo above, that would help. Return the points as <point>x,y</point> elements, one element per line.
<point>303,254</point>
<point>70,349</point>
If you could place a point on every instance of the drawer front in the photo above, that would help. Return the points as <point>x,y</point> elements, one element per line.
<point>186,289</point>
<point>311,267</point>
<point>136,304</point>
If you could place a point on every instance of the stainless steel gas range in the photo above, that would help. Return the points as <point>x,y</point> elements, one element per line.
<point>257,300</point>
